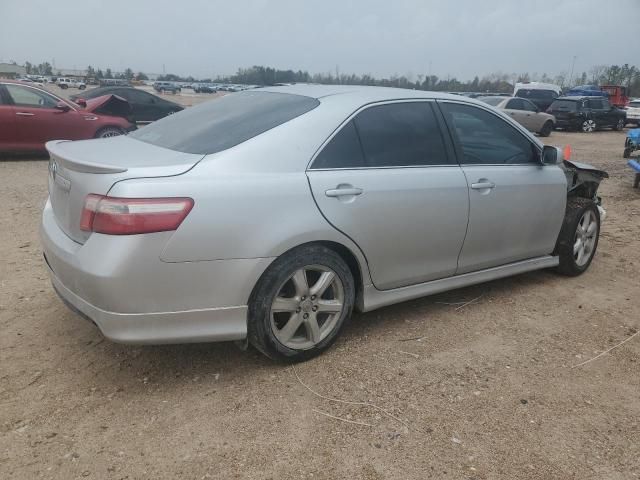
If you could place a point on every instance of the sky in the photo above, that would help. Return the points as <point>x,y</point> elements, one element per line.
<point>457,38</point>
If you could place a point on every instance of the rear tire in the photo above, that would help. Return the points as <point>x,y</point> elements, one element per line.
<point>589,126</point>
<point>627,153</point>
<point>578,239</point>
<point>547,128</point>
<point>107,132</point>
<point>291,317</point>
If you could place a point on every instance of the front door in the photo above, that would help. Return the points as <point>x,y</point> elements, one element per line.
<point>38,121</point>
<point>516,110</point>
<point>516,204</point>
<point>385,179</point>
<point>7,123</point>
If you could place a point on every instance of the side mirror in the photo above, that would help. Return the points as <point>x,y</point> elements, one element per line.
<point>550,155</point>
<point>63,107</point>
<point>82,102</point>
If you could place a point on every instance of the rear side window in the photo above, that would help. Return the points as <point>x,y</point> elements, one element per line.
<point>595,104</point>
<point>486,139</point>
<point>223,123</point>
<point>515,104</point>
<point>564,106</point>
<point>536,93</point>
<point>401,134</point>
<point>343,151</point>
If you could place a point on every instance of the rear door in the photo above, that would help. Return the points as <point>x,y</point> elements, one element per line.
<point>8,133</point>
<point>387,179</point>
<point>516,204</point>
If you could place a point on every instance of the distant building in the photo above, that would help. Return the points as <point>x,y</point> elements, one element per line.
<point>9,70</point>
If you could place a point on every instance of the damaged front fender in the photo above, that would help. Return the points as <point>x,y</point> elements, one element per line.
<point>583,180</point>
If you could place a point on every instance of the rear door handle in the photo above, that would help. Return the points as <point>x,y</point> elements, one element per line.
<point>482,185</point>
<point>342,192</point>
<point>25,114</point>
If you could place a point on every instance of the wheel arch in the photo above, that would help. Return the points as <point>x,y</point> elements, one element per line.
<point>359,270</point>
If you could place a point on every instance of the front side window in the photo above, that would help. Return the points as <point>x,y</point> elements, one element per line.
<point>528,106</point>
<point>486,139</point>
<point>29,97</point>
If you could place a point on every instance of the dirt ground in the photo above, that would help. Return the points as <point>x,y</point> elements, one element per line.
<point>486,391</point>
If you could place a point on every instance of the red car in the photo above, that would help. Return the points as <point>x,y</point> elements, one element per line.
<point>31,116</point>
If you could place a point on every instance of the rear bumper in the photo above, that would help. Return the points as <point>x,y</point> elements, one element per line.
<point>121,284</point>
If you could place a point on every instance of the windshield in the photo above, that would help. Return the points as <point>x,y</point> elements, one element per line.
<point>634,104</point>
<point>535,93</point>
<point>217,125</point>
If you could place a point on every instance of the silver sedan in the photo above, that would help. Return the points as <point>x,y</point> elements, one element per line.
<point>268,216</point>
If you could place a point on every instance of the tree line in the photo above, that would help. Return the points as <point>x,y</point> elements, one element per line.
<point>499,82</point>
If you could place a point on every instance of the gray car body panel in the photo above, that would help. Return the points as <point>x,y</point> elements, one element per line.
<point>257,200</point>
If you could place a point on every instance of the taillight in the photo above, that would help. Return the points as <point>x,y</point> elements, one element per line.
<point>130,216</point>
<point>566,152</point>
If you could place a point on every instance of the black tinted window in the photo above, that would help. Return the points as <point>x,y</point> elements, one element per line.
<point>487,139</point>
<point>223,123</point>
<point>400,134</point>
<point>595,103</point>
<point>515,104</point>
<point>564,106</point>
<point>343,151</point>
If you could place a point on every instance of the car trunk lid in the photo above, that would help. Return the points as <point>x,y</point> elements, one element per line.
<point>79,168</point>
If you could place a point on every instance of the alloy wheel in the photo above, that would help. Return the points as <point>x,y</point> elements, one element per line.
<point>307,307</point>
<point>588,126</point>
<point>585,238</point>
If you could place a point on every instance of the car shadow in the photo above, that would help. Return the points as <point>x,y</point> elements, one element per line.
<point>216,363</point>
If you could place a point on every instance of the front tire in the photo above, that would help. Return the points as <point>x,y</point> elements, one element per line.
<point>578,239</point>
<point>301,304</point>
<point>620,125</point>
<point>589,126</point>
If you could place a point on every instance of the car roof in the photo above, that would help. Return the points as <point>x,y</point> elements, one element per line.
<point>575,98</point>
<point>360,94</point>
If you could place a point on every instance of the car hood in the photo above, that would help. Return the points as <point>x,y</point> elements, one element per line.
<point>108,105</point>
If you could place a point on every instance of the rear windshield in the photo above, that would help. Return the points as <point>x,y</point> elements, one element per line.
<point>492,100</point>
<point>223,123</point>
<point>535,93</point>
<point>565,106</point>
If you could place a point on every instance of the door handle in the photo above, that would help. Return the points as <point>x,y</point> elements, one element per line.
<point>25,114</point>
<point>342,192</point>
<point>483,185</point>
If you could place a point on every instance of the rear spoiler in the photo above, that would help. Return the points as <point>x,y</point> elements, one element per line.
<point>56,152</point>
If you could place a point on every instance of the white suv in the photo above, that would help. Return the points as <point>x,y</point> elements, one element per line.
<point>633,111</point>
<point>65,83</point>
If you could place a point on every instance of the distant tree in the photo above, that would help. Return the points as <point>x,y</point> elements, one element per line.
<point>108,73</point>
<point>128,74</point>
<point>141,77</point>
<point>99,73</point>
<point>29,68</point>
<point>91,71</point>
